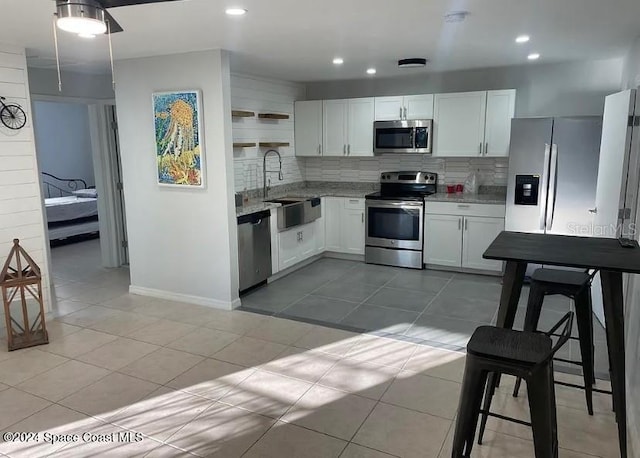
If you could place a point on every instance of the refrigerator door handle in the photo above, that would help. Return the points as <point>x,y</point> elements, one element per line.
<point>543,186</point>
<point>553,186</point>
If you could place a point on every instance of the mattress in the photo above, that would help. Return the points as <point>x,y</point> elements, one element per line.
<point>70,208</point>
<point>63,232</point>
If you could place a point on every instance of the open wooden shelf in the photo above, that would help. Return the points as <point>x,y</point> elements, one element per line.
<point>242,114</point>
<point>244,145</point>
<point>273,144</point>
<point>273,116</point>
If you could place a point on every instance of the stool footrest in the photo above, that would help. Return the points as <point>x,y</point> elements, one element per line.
<point>570,385</point>
<point>503,417</point>
<point>568,361</point>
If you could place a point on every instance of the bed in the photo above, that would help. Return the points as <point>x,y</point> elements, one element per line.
<point>71,209</point>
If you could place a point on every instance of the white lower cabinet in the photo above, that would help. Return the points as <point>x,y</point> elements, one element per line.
<point>443,240</point>
<point>296,245</point>
<point>457,235</point>
<point>344,225</point>
<point>478,234</point>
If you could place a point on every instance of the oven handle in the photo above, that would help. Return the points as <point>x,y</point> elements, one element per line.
<point>393,204</point>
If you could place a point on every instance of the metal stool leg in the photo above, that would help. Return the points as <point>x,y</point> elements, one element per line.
<point>486,405</point>
<point>585,334</point>
<point>534,310</point>
<point>473,385</point>
<point>543,412</point>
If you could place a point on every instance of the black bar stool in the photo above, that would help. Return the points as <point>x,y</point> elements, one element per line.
<point>528,355</point>
<point>575,285</point>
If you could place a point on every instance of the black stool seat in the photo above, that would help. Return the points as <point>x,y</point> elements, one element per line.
<point>493,351</point>
<point>565,277</point>
<point>509,345</point>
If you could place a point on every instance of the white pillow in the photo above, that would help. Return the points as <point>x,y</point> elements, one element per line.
<point>86,193</point>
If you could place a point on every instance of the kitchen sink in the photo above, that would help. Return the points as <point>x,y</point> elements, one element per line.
<point>296,211</point>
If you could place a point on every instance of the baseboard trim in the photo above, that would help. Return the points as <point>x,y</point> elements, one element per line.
<point>187,298</point>
<point>344,256</point>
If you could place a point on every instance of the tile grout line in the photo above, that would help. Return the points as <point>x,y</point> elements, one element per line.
<point>429,304</point>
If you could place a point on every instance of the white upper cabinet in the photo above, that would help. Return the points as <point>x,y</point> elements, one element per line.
<point>501,107</point>
<point>360,127</point>
<point>418,106</point>
<point>335,127</point>
<point>389,108</point>
<point>308,128</point>
<point>459,121</point>
<point>348,127</point>
<point>404,107</point>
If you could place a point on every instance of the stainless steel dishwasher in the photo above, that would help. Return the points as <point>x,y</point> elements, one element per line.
<point>254,249</point>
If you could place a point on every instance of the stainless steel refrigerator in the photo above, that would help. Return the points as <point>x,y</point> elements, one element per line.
<point>553,172</point>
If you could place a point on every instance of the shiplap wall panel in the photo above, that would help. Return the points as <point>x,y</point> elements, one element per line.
<point>264,96</point>
<point>21,214</point>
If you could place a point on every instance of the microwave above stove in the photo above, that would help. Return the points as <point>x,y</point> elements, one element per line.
<point>411,136</point>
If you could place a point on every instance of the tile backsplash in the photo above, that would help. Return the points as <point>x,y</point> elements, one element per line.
<point>491,171</point>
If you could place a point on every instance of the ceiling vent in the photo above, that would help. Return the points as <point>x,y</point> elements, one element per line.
<point>414,62</point>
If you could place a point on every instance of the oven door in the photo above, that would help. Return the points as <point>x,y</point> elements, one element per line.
<point>394,224</point>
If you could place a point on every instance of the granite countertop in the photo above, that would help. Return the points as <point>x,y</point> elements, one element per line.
<point>467,198</point>
<point>256,205</point>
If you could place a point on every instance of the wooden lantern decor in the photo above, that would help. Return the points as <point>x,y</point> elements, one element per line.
<point>21,284</point>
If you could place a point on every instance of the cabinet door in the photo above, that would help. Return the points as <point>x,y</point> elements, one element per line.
<point>443,240</point>
<point>390,108</point>
<point>334,129</point>
<point>360,127</point>
<point>501,107</point>
<point>308,243</point>
<point>308,128</point>
<point>332,209</point>
<point>418,106</point>
<point>352,230</point>
<point>459,121</point>
<point>478,234</point>
<point>288,248</point>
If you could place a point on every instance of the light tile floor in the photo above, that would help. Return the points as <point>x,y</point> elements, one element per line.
<point>161,378</point>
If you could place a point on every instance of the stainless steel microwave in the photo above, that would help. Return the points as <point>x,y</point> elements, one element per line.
<point>411,136</point>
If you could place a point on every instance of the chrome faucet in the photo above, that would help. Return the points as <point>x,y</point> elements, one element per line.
<point>264,171</point>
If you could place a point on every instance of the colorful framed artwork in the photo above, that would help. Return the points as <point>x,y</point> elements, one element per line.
<point>179,146</point>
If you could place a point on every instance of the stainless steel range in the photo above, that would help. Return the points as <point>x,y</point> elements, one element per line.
<point>394,223</point>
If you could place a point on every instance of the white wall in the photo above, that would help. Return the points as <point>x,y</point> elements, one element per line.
<point>574,88</point>
<point>64,141</point>
<point>631,70</point>
<point>263,96</point>
<point>631,80</point>
<point>21,214</point>
<point>182,242</point>
<point>44,83</point>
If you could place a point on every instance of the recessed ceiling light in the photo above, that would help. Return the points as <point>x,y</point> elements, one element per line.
<point>523,39</point>
<point>235,11</point>
<point>338,61</point>
<point>533,56</point>
<point>371,71</point>
<point>456,16</point>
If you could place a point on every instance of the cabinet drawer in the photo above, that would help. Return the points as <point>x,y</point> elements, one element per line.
<point>353,204</point>
<point>462,209</point>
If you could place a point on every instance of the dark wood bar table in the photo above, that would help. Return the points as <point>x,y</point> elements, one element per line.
<point>606,255</point>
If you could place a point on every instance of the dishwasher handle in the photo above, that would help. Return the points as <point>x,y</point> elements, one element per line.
<point>254,218</point>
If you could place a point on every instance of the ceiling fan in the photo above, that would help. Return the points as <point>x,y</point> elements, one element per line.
<point>90,17</point>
